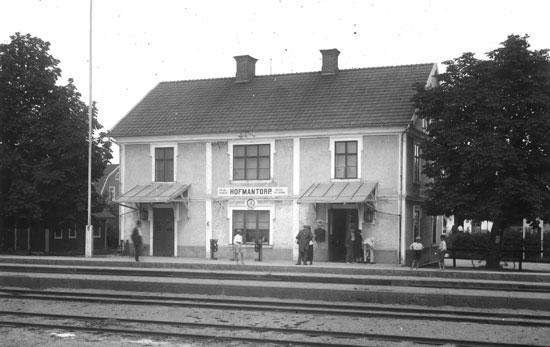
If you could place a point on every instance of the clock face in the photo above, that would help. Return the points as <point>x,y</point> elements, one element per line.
<point>250,203</point>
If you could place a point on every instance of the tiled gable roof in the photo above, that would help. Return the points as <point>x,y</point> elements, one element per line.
<point>99,185</point>
<point>299,101</point>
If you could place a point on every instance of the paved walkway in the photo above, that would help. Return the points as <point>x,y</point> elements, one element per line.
<point>461,265</point>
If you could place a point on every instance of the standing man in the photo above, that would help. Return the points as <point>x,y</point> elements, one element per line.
<point>137,239</point>
<point>238,244</point>
<point>441,252</point>
<point>304,236</point>
<point>350,244</point>
<point>417,248</point>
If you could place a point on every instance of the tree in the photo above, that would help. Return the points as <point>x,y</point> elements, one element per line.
<point>488,150</point>
<point>43,138</point>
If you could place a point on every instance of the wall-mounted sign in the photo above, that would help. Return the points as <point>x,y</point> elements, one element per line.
<point>253,191</point>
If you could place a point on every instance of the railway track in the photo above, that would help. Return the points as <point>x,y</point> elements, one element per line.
<point>262,335</point>
<point>303,307</point>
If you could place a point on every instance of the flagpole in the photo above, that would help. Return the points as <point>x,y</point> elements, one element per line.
<point>89,227</point>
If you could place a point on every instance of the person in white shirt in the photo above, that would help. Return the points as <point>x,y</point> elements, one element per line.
<point>441,252</point>
<point>417,248</point>
<point>368,250</point>
<point>238,244</point>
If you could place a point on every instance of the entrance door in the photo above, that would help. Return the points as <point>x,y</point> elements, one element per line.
<point>163,232</point>
<point>341,220</point>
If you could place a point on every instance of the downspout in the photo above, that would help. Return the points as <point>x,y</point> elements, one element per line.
<point>401,201</point>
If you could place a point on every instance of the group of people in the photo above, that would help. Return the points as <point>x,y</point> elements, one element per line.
<point>440,253</point>
<point>354,244</point>
<point>359,249</point>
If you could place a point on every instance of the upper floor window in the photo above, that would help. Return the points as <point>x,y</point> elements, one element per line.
<point>111,193</point>
<point>345,159</point>
<point>164,164</point>
<point>417,164</point>
<point>251,162</point>
<point>425,123</point>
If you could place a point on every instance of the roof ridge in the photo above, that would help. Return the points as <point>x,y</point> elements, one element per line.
<point>296,73</point>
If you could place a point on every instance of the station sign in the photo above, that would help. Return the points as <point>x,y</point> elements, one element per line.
<point>265,192</point>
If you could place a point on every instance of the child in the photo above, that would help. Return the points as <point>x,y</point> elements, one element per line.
<point>417,248</point>
<point>238,244</point>
<point>441,251</point>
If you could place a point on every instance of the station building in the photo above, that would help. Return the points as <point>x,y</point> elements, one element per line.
<point>335,149</point>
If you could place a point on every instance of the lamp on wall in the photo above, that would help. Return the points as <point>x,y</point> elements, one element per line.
<point>369,213</point>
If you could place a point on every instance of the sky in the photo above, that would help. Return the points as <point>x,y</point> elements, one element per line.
<point>138,43</point>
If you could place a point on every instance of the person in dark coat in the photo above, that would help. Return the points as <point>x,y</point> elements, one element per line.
<point>358,247</point>
<point>310,253</point>
<point>350,246</point>
<point>137,239</point>
<point>304,236</point>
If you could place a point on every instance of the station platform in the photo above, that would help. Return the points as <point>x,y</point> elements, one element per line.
<point>463,286</point>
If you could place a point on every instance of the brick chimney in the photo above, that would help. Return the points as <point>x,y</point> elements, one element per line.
<point>246,68</point>
<point>330,61</point>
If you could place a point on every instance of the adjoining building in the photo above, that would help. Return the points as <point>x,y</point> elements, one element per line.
<point>336,149</point>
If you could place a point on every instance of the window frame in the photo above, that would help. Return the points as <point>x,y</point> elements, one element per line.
<point>417,163</point>
<point>72,232</point>
<point>154,161</point>
<point>332,149</point>
<point>416,221</point>
<point>230,149</point>
<point>58,234</point>
<point>112,193</point>
<point>97,232</point>
<point>230,213</point>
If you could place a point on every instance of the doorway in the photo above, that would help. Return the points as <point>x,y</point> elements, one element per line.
<point>341,220</point>
<point>163,232</point>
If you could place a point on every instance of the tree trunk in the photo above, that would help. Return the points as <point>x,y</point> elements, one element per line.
<point>495,243</point>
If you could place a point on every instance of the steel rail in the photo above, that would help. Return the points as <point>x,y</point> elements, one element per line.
<point>308,333</point>
<point>514,319</point>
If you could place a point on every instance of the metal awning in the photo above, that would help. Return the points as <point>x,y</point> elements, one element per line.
<point>339,193</point>
<point>155,192</point>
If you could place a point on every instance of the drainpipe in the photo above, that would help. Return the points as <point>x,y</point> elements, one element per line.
<point>401,201</point>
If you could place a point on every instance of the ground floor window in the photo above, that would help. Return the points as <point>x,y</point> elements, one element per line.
<point>72,232</point>
<point>97,232</point>
<point>253,223</point>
